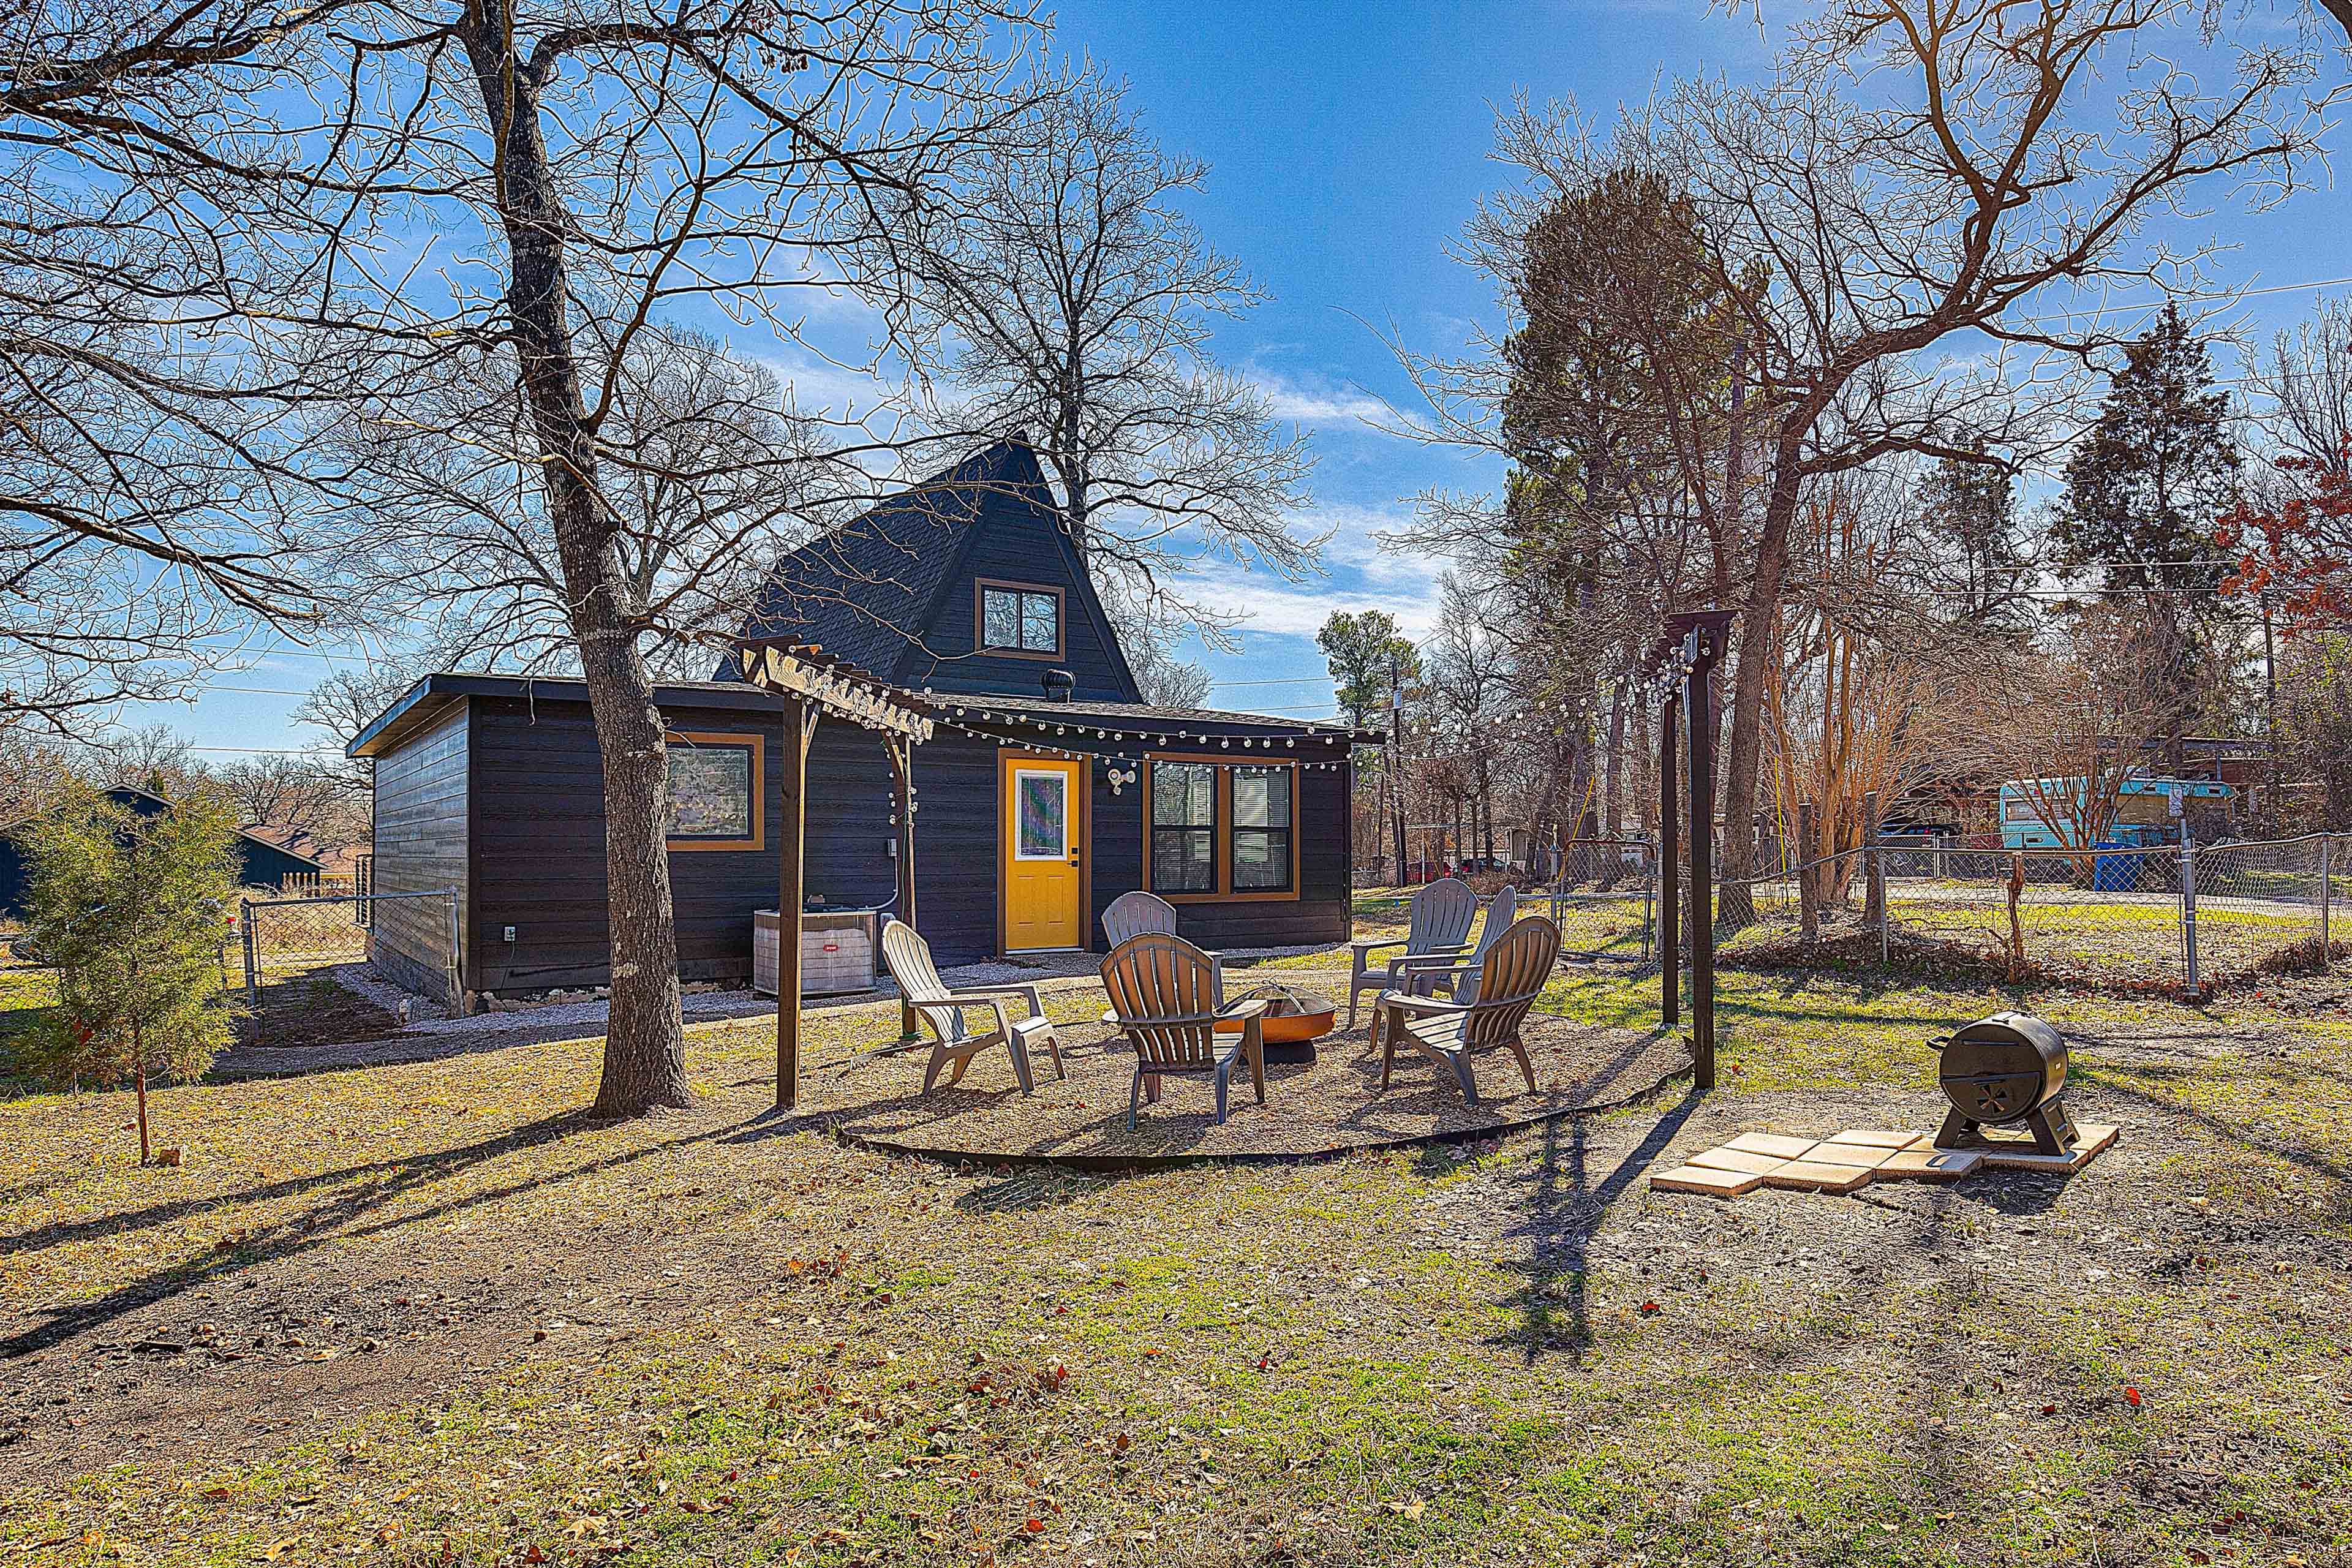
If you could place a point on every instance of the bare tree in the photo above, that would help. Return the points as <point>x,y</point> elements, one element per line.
<point>141,435</point>
<point>708,472</point>
<point>2067,725</point>
<point>1071,301</point>
<point>1906,174</point>
<point>578,170</point>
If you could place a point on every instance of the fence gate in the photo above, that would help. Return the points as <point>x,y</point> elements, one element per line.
<point>1605,899</point>
<point>293,945</point>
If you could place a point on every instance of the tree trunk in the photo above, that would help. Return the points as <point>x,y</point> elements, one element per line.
<point>1613,797</point>
<point>1757,620</point>
<point>139,1076</point>
<point>645,1040</point>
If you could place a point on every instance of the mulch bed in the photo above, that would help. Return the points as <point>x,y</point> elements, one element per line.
<point>1329,1105</point>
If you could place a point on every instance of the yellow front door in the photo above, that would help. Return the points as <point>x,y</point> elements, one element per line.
<point>1043,847</point>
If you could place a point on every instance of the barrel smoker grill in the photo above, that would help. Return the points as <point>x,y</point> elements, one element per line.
<point>2006,1071</point>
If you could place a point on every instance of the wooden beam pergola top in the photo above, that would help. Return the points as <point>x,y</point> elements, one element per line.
<point>833,685</point>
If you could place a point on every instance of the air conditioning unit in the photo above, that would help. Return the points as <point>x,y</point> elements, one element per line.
<point>838,951</point>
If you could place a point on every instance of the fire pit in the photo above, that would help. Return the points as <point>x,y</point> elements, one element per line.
<point>1293,1022</point>
<point>2006,1071</point>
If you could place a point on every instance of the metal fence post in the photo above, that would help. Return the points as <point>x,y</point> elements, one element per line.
<point>1940,840</point>
<point>2327,897</point>
<point>456,973</point>
<point>2188,905</point>
<point>252,972</point>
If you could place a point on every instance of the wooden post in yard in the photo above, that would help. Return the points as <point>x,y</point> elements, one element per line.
<point>902,763</point>
<point>800,728</point>
<point>1809,895</point>
<point>1698,701</point>
<point>1669,873</point>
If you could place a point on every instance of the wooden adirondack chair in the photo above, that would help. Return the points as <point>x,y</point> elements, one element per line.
<point>1168,998</point>
<point>1450,1031</point>
<point>908,958</point>
<point>1441,914</point>
<point>1456,977</point>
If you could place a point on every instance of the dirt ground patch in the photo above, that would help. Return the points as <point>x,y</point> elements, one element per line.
<point>1330,1103</point>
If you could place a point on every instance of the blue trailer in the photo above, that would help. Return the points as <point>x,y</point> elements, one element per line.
<point>2148,811</point>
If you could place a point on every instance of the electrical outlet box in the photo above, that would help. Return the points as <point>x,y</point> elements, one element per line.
<point>510,933</point>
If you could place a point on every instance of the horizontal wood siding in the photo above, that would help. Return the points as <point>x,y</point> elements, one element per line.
<point>421,843</point>
<point>539,854</point>
<point>851,791</point>
<point>955,847</point>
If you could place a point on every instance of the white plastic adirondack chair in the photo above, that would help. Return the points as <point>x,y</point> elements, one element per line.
<point>908,958</point>
<point>1510,978</point>
<point>1440,928</point>
<point>1168,997</point>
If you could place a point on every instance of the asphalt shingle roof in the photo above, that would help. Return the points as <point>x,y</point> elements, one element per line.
<point>864,592</point>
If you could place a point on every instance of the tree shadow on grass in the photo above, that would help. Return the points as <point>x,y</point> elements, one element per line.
<point>345,1214</point>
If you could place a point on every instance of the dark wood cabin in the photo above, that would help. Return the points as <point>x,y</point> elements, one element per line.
<point>1032,798</point>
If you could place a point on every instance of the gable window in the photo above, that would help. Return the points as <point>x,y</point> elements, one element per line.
<point>1220,831</point>
<point>714,791</point>
<point>1020,618</point>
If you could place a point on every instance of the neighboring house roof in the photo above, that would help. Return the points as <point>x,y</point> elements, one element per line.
<point>871,591</point>
<point>302,843</point>
<point>132,795</point>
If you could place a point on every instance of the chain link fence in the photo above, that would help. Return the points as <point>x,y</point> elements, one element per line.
<point>2159,919</point>
<point>1605,899</point>
<point>293,946</point>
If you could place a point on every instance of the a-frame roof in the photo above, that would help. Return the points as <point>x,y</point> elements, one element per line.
<point>877,592</point>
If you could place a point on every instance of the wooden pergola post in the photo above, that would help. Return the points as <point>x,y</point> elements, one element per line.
<point>902,768</point>
<point>791,862</point>
<point>813,683</point>
<point>1670,853</point>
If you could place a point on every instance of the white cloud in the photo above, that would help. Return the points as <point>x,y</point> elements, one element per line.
<point>1270,606</point>
<point>1315,400</point>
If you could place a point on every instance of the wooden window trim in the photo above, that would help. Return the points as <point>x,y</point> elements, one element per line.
<point>980,588</point>
<point>1224,763</point>
<point>742,740</point>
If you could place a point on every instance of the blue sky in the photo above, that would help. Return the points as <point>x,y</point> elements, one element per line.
<point>1347,145</point>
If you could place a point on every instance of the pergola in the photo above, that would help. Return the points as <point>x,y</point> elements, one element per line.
<point>814,684</point>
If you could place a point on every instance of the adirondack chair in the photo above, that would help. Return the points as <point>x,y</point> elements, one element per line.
<point>1168,999</point>
<point>1450,1031</point>
<point>1440,928</point>
<point>1137,913</point>
<point>1454,976</point>
<point>908,958</point>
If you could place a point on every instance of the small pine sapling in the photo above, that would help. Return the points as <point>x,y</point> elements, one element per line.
<point>132,909</point>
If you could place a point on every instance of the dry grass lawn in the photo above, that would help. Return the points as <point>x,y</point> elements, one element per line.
<point>426,1314</point>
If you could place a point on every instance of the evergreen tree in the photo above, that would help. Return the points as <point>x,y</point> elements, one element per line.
<point>2150,483</point>
<point>1367,656</point>
<point>1970,506</point>
<point>2146,493</point>
<point>132,911</point>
